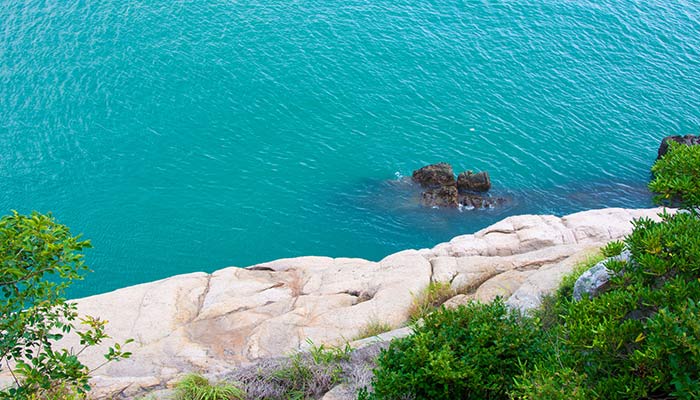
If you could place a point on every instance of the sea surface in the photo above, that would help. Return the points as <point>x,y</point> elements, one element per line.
<point>183,136</point>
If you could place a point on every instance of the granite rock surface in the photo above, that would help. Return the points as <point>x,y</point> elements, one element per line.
<point>211,323</point>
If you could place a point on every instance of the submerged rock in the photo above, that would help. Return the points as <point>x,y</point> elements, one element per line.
<point>469,181</point>
<point>448,196</point>
<point>470,200</point>
<point>445,196</point>
<point>435,175</point>
<point>443,191</point>
<point>688,140</point>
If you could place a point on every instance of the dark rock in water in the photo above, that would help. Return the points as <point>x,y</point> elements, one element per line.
<point>435,175</point>
<point>443,191</point>
<point>470,200</point>
<point>445,196</point>
<point>688,140</point>
<point>469,181</point>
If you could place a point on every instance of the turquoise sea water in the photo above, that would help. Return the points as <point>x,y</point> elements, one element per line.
<point>182,136</point>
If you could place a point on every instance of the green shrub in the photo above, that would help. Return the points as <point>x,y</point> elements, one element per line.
<point>677,176</point>
<point>640,338</point>
<point>471,352</point>
<point>39,260</point>
<point>612,249</point>
<point>59,392</point>
<point>551,308</point>
<point>197,387</point>
<point>551,382</point>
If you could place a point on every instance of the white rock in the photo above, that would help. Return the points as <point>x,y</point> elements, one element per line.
<point>340,392</point>
<point>211,323</point>
<point>592,281</point>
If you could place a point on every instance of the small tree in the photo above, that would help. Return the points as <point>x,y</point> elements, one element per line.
<point>39,259</point>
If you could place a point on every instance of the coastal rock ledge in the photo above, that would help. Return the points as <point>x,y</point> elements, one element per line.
<point>212,323</point>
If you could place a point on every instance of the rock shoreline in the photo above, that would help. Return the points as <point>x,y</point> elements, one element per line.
<point>213,323</point>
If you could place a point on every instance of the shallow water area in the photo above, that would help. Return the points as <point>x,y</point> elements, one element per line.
<point>186,136</point>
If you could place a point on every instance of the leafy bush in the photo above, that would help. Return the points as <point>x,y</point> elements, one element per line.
<point>197,387</point>
<point>677,176</point>
<point>612,249</point>
<point>469,352</point>
<point>39,259</point>
<point>639,339</point>
<point>551,382</point>
<point>551,308</point>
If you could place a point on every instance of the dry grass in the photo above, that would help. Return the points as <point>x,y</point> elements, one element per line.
<point>296,283</point>
<point>373,328</point>
<point>430,298</point>
<point>307,376</point>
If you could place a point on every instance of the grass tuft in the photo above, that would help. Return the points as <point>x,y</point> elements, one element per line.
<point>373,328</point>
<point>429,299</point>
<point>197,387</point>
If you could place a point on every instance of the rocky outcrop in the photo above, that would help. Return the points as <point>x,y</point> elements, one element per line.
<point>443,191</point>
<point>435,175</point>
<point>445,196</point>
<point>212,323</point>
<point>688,140</point>
<point>469,181</point>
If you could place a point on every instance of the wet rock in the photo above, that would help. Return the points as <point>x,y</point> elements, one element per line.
<point>470,200</point>
<point>435,175</point>
<point>445,196</point>
<point>443,191</point>
<point>469,181</point>
<point>688,140</point>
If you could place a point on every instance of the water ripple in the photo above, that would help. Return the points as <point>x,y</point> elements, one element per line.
<point>182,136</point>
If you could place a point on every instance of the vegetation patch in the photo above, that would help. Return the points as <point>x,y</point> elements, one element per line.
<point>307,375</point>
<point>197,387</point>
<point>39,260</point>
<point>677,177</point>
<point>468,352</point>
<point>429,299</point>
<point>638,339</point>
<point>373,328</point>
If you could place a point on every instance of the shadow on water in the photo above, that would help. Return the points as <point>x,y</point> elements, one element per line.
<point>393,208</point>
